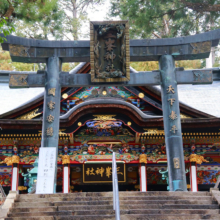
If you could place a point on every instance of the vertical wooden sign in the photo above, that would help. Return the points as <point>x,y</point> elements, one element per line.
<point>109,51</point>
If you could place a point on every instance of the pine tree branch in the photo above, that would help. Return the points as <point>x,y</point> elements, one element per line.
<point>201,7</point>
<point>9,11</point>
<point>155,34</point>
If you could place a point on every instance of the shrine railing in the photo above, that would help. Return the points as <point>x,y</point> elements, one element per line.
<point>116,205</point>
<point>3,195</point>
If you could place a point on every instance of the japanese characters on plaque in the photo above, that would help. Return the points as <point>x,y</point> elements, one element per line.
<point>51,106</point>
<point>109,51</point>
<point>173,115</point>
<point>46,170</point>
<point>100,173</point>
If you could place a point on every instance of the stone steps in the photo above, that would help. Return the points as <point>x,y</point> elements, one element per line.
<point>60,199</point>
<point>110,202</point>
<point>133,205</point>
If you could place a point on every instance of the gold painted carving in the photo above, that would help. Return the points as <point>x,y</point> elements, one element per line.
<point>19,51</point>
<point>51,91</point>
<point>50,131</point>
<point>10,160</point>
<point>21,188</point>
<point>184,116</point>
<point>170,89</point>
<point>15,159</point>
<point>65,159</point>
<point>104,117</point>
<point>51,105</point>
<point>171,101</point>
<point>29,115</point>
<point>7,160</point>
<point>174,129</point>
<point>173,115</point>
<point>201,47</point>
<point>18,80</point>
<point>50,118</point>
<point>153,131</point>
<point>176,162</point>
<point>197,159</point>
<point>143,158</point>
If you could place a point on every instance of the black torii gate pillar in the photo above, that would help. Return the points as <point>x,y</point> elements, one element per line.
<point>172,124</point>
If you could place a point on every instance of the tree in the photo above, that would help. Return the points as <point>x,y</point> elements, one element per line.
<point>39,17</point>
<point>167,18</point>
<point>75,16</point>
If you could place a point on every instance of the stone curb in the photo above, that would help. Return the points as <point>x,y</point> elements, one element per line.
<point>8,204</point>
<point>215,194</point>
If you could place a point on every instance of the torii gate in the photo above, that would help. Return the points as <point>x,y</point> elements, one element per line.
<point>166,51</point>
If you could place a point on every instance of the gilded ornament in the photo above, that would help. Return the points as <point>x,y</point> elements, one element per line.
<point>176,162</point>
<point>129,123</point>
<point>174,129</point>
<point>50,118</point>
<point>170,89</point>
<point>79,123</point>
<point>51,105</point>
<point>50,131</point>
<point>141,95</point>
<point>15,159</point>
<point>17,80</point>
<point>184,116</point>
<point>65,95</point>
<point>7,160</point>
<point>197,159</point>
<point>153,131</point>
<point>171,101</point>
<point>65,159</point>
<point>173,115</point>
<point>104,117</point>
<point>51,91</point>
<point>19,51</point>
<point>21,188</point>
<point>29,115</point>
<point>143,158</point>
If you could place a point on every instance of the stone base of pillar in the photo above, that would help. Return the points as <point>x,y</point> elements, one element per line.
<point>143,178</point>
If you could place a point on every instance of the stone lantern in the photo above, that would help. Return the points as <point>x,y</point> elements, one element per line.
<point>30,178</point>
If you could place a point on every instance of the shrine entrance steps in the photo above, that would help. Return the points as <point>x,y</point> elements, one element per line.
<point>98,205</point>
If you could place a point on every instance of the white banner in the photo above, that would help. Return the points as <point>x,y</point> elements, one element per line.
<point>46,170</point>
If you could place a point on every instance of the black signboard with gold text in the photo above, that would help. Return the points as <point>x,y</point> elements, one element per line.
<point>102,172</point>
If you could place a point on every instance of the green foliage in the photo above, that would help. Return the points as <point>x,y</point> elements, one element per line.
<point>145,66</point>
<point>167,18</point>
<point>33,18</point>
<point>154,65</point>
<point>5,29</point>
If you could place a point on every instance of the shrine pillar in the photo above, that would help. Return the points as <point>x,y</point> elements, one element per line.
<point>194,160</point>
<point>172,124</point>
<point>15,174</point>
<point>143,172</point>
<point>193,177</point>
<point>66,173</point>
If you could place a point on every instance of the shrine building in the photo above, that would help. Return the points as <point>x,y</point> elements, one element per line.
<point>95,121</point>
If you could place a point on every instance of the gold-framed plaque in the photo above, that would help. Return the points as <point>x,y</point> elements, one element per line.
<point>102,172</point>
<point>109,51</point>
